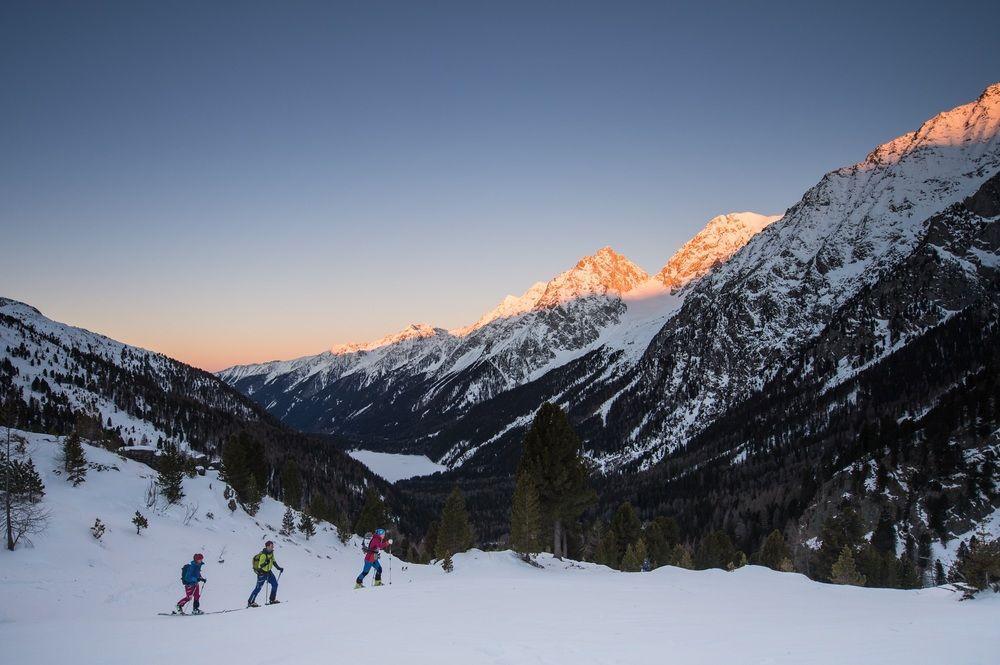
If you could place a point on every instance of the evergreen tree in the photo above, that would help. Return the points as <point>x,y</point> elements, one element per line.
<point>884,535</point>
<point>140,522</point>
<point>626,528</point>
<point>243,461</point>
<point>844,570</point>
<point>24,481</point>
<point>607,548</point>
<point>716,551</point>
<point>978,564</point>
<point>343,525</point>
<point>21,489</point>
<point>307,526</point>
<point>774,553</point>
<point>320,510</point>
<point>74,460</point>
<point>878,569</point>
<point>552,456</point>
<point>252,497</point>
<point>372,514</point>
<point>288,522</point>
<point>661,535</point>
<point>839,531</point>
<point>906,574</point>
<point>525,517</point>
<point>738,561</point>
<point>454,532</point>
<point>939,576</point>
<point>634,557</point>
<point>170,478</point>
<point>681,557</point>
<point>430,541</point>
<point>291,484</point>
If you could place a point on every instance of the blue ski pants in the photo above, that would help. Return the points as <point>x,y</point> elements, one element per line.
<point>368,566</point>
<point>267,577</point>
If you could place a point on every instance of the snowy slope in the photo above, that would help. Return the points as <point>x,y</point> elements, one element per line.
<point>73,599</point>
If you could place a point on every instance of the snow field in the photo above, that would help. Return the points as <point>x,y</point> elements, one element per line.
<point>73,599</point>
<point>395,466</point>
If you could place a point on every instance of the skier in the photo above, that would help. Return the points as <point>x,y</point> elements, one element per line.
<point>190,577</point>
<point>372,552</point>
<point>263,562</point>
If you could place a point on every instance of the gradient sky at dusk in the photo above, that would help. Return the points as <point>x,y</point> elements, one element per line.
<point>251,181</point>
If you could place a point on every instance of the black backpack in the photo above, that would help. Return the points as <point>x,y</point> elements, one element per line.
<point>184,570</point>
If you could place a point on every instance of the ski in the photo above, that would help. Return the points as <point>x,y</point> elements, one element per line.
<point>188,614</point>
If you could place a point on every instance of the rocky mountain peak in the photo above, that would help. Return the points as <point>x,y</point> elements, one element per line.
<point>605,271</point>
<point>722,237</point>
<point>414,331</point>
<point>975,122</point>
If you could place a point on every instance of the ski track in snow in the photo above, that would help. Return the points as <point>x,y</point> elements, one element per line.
<point>70,598</point>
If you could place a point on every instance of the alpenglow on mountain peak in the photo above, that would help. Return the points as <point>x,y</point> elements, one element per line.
<point>722,237</point>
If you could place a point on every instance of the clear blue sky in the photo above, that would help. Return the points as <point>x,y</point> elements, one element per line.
<point>257,180</point>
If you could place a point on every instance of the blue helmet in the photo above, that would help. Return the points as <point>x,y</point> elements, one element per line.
<point>379,532</point>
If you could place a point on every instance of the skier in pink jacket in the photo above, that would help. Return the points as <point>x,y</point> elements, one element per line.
<point>372,550</point>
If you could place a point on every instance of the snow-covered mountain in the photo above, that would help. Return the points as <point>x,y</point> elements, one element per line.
<point>604,301</point>
<point>70,371</point>
<point>646,366</point>
<point>858,224</point>
<point>722,237</point>
<point>58,378</point>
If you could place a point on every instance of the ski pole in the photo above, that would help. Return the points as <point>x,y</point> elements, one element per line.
<point>390,566</point>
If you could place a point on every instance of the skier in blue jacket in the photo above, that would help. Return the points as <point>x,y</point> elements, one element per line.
<point>190,577</point>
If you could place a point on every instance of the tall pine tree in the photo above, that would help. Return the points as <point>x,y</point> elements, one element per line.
<point>626,527</point>
<point>307,526</point>
<point>74,460</point>
<point>525,518</point>
<point>291,484</point>
<point>774,553</point>
<point>170,478</point>
<point>288,522</point>
<point>454,531</point>
<point>552,456</point>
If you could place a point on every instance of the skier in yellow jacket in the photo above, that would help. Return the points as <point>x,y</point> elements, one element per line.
<point>263,562</point>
